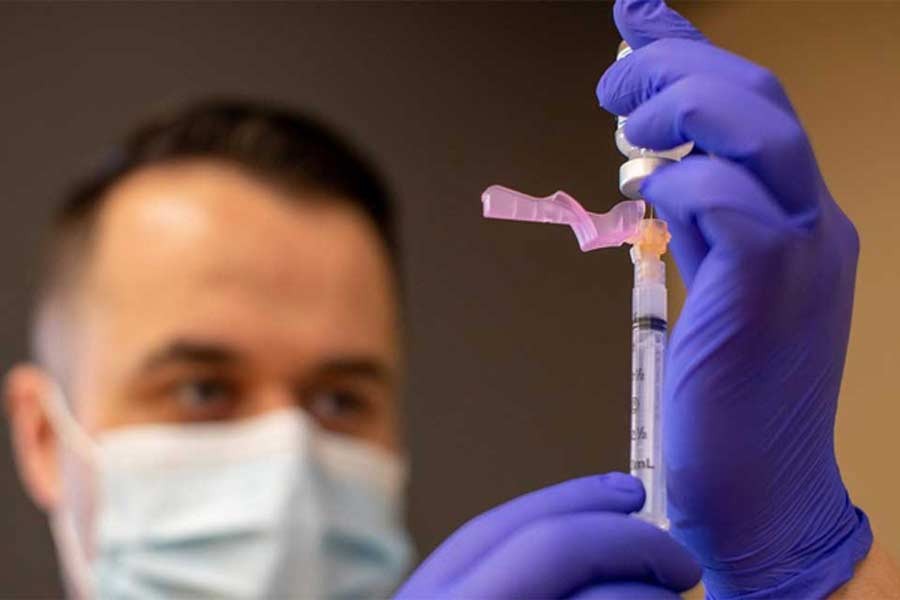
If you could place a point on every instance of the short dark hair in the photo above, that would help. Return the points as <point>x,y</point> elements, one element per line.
<point>276,144</point>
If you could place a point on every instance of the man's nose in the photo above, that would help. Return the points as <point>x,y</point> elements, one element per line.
<point>270,396</point>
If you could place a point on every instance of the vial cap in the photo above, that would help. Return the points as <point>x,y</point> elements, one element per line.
<point>633,173</point>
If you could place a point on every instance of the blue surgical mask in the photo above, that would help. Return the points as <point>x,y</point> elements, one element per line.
<point>269,507</point>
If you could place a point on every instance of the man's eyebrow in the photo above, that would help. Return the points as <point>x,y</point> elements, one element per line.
<point>364,366</point>
<point>190,351</point>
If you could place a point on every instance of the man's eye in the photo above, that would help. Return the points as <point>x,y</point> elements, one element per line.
<point>204,394</point>
<point>338,408</point>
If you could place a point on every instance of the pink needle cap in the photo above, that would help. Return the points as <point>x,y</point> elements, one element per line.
<point>593,230</point>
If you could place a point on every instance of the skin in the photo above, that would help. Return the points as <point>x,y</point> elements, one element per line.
<point>210,295</point>
<point>876,577</point>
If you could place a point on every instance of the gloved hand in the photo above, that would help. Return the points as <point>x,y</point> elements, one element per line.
<point>571,540</point>
<point>755,361</point>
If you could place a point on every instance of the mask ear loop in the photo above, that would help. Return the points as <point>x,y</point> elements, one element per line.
<point>67,428</point>
<point>72,434</point>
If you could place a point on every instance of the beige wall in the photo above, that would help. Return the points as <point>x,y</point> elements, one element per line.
<point>840,63</point>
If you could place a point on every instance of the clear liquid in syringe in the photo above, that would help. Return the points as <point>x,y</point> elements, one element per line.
<point>649,341</point>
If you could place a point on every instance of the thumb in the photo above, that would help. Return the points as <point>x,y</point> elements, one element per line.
<point>641,22</point>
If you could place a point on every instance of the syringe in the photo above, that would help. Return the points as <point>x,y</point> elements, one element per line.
<point>648,348</point>
<point>649,239</point>
<point>649,322</point>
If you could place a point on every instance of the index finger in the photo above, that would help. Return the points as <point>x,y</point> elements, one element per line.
<point>630,82</point>
<point>613,492</point>
<point>641,22</point>
<point>559,555</point>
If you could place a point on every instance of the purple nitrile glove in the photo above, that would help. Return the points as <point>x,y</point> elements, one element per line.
<point>755,362</point>
<point>571,540</point>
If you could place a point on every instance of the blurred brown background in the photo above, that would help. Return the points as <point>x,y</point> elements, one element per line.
<point>518,342</point>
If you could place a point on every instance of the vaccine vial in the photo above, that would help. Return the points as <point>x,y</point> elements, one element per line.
<point>641,161</point>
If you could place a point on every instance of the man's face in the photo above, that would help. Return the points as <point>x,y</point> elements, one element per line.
<point>210,295</point>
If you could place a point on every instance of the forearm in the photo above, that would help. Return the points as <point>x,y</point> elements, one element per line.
<point>876,577</point>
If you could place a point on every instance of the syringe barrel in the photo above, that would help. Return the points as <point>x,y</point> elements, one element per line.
<point>649,331</point>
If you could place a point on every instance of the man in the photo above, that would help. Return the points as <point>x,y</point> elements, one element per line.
<point>213,408</point>
<point>231,268</point>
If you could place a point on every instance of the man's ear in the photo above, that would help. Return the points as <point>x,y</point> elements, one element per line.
<point>33,437</point>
